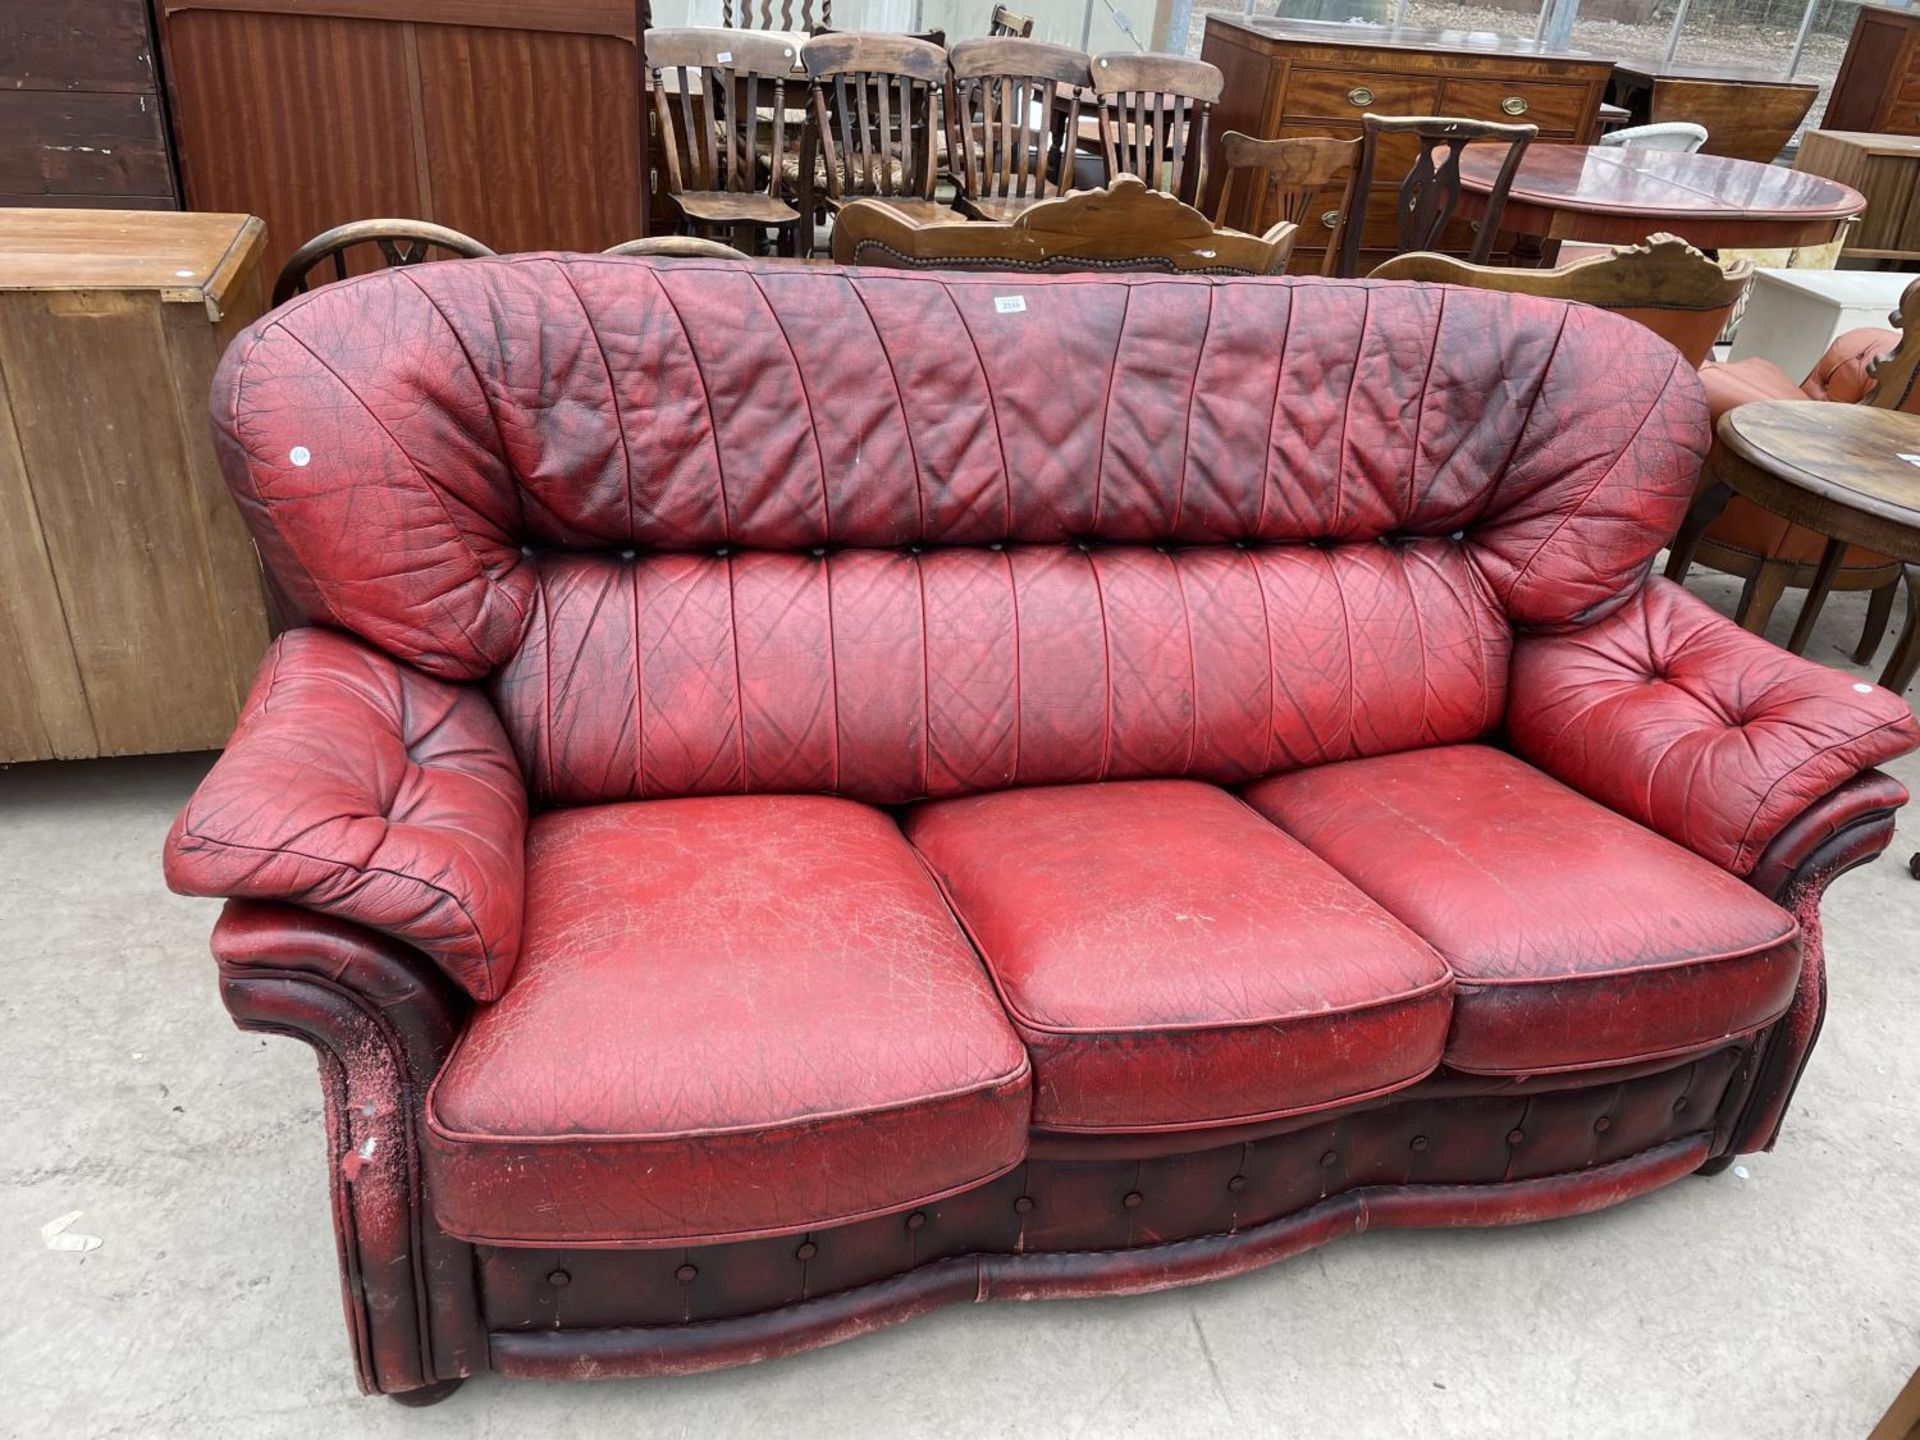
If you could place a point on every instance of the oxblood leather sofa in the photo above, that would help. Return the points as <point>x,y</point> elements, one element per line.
<point>809,794</point>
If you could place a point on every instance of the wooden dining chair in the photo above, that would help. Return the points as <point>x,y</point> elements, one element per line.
<point>396,242</point>
<point>1013,107</point>
<point>874,100</point>
<point>1153,118</point>
<point>720,101</point>
<point>803,16</point>
<point>1429,196</point>
<point>1288,180</point>
<point>1007,24</point>
<point>1664,284</point>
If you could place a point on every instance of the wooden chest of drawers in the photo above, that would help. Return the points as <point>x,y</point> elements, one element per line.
<point>1286,77</point>
<point>1878,87</point>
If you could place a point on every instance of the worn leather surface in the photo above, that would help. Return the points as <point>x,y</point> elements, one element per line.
<point>732,1017</point>
<point>589,403</point>
<point>1575,937</point>
<point>888,676</point>
<point>358,787</point>
<point>1671,714</point>
<point>1172,960</point>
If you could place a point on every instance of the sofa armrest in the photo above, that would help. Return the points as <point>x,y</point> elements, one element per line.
<point>1671,714</point>
<point>358,787</point>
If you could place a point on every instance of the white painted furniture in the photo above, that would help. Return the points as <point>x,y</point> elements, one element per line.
<point>1793,315</point>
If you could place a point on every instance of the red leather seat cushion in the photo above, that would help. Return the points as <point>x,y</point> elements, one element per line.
<point>1576,937</point>
<point>731,1017</point>
<point>1172,960</point>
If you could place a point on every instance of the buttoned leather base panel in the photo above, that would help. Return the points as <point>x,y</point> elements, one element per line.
<point>1172,960</point>
<point>1576,937</point>
<point>732,1016</point>
<point>1066,1228</point>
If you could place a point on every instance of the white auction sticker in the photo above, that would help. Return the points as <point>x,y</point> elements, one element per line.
<point>1010,304</point>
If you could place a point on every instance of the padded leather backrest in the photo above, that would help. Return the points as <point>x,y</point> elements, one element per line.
<point>914,524</point>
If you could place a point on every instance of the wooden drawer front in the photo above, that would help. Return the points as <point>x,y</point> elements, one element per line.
<point>1556,109</point>
<point>1349,94</point>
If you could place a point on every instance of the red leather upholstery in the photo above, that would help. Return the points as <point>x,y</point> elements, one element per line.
<point>594,403</point>
<point>733,1017</point>
<point>1575,937</point>
<point>889,676</point>
<point>1670,713</point>
<point>1173,961</point>
<point>356,786</point>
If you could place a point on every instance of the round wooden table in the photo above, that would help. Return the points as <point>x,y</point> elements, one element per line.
<point>1619,195</point>
<point>1851,472</point>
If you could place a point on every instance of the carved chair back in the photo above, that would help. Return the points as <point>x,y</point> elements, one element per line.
<point>1009,25</point>
<point>1153,118</point>
<point>399,242</point>
<point>1287,178</point>
<point>1429,195</point>
<point>1013,107</point>
<point>874,100</point>
<point>720,107</point>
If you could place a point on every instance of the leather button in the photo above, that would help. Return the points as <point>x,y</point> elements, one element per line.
<point>1419,1142</point>
<point>1602,1125</point>
<point>686,1273</point>
<point>1679,1104</point>
<point>807,1251</point>
<point>559,1278</point>
<point>1237,1184</point>
<point>916,1220</point>
<point>1514,1137</point>
<point>1132,1199</point>
<point>1023,1204</point>
<point>1330,1159</point>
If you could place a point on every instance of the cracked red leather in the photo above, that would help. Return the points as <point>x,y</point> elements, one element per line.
<point>597,403</point>
<point>1672,715</point>
<point>355,786</point>
<point>1576,938</point>
<point>732,1017</point>
<point>1171,960</point>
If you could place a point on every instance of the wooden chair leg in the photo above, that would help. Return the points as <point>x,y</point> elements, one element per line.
<point>1906,652</point>
<point>1706,509</point>
<point>1816,596</point>
<point>1761,593</point>
<point>1879,612</point>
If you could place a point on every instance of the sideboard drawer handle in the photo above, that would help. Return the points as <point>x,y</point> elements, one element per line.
<point>1330,219</point>
<point>1514,105</point>
<point>1359,95</point>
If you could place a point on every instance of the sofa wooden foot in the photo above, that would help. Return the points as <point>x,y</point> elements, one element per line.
<point>427,1394</point>
<point>1718,1165</point>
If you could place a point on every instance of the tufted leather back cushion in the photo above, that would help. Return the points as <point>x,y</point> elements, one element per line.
<point>714,526</point>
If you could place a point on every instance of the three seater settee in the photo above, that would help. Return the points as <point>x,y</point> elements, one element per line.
<point>806,795</point>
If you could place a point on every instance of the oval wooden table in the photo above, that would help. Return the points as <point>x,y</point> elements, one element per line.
<point>1619,195</point>
<point>1851,472</point>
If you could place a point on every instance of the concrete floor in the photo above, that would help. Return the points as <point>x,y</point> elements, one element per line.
<point>1785,1302</point>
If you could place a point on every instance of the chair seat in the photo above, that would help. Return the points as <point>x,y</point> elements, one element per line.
<point>1576,937</point>
<point>740,1016</point>
<point>1172,960</point>
<point>735,207</point>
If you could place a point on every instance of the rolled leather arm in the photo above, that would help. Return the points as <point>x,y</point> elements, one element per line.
<point>1671,714</point>
<point>356,786</point>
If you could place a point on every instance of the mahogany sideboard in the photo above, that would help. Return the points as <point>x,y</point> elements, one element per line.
<point>81,120</point>
<point>515,121</point>
<point>1878,87</point>
<point>131,616</point>
<point>1292,77</point>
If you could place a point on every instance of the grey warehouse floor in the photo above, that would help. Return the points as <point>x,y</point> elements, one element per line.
<point>1785,1302</point>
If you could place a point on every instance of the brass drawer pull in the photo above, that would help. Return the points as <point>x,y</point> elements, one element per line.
<point>1359,95</point>
<point>1514,105</point>
<point>1330,219</point>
